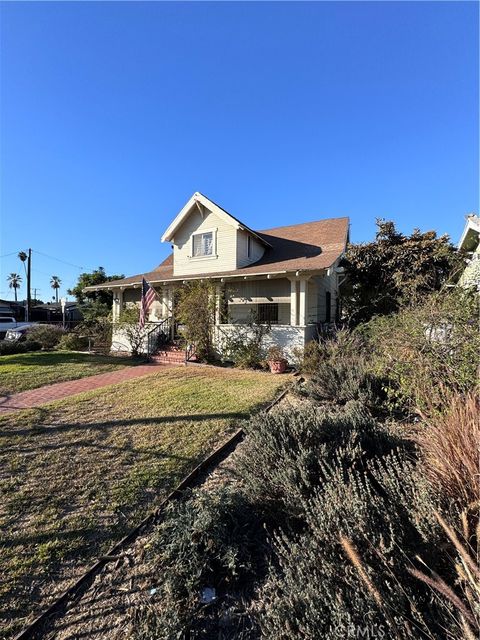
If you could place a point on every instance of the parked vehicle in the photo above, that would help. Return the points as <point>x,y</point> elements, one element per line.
<point>14,328</point>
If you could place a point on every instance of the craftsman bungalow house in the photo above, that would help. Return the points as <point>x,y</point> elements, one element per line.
<point>287,277</point>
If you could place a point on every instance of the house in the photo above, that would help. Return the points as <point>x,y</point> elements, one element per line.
<point>470,244</point>
<point>53,312</point>
<point>286,277</point>
<point>11,309</point>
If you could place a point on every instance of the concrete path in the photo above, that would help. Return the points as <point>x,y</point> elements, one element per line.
<point>58,390</point>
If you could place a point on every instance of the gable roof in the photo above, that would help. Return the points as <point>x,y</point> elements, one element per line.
<point>198,200</point>
<point>311,246</point>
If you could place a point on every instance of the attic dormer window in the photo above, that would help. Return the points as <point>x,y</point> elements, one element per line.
<point>202,244</point>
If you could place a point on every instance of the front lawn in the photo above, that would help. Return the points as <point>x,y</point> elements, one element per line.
<point>75,475</point>
<point>24,371</point>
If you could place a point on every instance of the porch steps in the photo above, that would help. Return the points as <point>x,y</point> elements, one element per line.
<point>170,354</point>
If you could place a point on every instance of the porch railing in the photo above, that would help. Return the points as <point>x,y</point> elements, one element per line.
<point>158,335</point>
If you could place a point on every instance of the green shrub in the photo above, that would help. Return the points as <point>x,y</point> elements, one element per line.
<point>8,348</point>
<point>356,522</point>
<point>32,345</point>
<point>211,541</point>
<point>287,453</point>
<point>73,342</point>
<point>245,345</point>
<point>48,335</point>
<point>341,344</point>
<point>99,331</point>
<point>343,379</point>
<point>430,351</point>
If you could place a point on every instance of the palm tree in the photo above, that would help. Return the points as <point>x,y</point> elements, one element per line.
<point>14,282</point>
<point>55,283</point>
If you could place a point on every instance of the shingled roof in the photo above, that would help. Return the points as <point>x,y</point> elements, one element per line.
<point>311,246</point>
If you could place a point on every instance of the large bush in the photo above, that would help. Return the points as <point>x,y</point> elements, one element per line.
<point>345,576</point>
<point>395,271</point>
<point>430,350</point>
<point>287,453</point>
<point>73,342</point>
<point>48,335</point>
<point>195,310</point>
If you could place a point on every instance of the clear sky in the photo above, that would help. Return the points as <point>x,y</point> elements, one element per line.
<point>113,114</point>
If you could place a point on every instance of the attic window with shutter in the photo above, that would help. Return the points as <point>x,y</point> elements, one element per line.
<point>202,244</point>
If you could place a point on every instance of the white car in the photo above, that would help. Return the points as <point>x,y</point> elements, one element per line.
<point>8,325</point>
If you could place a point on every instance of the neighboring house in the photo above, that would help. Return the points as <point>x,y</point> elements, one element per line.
<point>52,312</point>
<point>470,244</point>
<point>9,308</point>
<point>287,277</point>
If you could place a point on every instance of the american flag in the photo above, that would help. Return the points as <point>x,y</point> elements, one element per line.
<point>148,296</point>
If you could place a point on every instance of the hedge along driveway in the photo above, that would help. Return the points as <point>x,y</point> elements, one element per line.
<point>79,473</point>
<point>32,370</point>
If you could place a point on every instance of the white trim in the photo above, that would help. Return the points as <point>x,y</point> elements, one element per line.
<point>471,224</point>
<point>199,199</point>
<point>213,231</point>
<point>196,199</point>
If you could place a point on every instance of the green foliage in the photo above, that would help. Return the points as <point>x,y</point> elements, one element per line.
<point>244,345</point>
<point>93,309</point>
<point>129,325</point>
<point>211,540</point>
<point>430,351</point>
<point>73,342</point>
<point>48,335</point>
<point>11,347</point>
<point>195,309</point>
<point>98,276</point>
<point>99,331</point>
<point>395,270</point>
<point>315,589</point>
<point>287,453</point>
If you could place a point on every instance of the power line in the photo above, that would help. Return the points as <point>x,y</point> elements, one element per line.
<point>7,255</point>
<point>70,264</point>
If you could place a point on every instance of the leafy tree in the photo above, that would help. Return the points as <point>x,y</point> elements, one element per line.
<point>195,309</point>
<point>98,276</point>
<point>14,282</point>
<point>395,271</point>
<point>55,283</point>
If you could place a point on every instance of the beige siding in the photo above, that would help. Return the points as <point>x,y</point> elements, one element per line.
<point>324,284</point>
<point>256,249</point>
<point>225,246</point>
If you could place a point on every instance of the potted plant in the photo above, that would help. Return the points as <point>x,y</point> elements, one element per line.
<point>276,360</point>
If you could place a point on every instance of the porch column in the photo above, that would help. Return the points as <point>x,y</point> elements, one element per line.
<point>117,304</point>
<point>218,300</point>
<point>302,311</point>
<point>165,312</point>
<point>293,302</point>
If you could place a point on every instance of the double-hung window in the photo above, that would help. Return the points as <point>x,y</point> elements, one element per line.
<point>202,244</point>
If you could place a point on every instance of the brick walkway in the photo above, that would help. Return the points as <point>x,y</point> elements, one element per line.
<point>58,390</point>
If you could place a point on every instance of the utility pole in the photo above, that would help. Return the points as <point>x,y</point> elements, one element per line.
<point>29,274</point>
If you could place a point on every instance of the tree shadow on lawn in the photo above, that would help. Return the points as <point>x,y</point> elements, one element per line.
<point>50,358</point>
<point>42,429</point>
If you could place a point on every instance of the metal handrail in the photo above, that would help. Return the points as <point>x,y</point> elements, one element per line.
<point>158,335</point>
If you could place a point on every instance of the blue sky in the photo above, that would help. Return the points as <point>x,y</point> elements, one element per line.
<point>113,114</point>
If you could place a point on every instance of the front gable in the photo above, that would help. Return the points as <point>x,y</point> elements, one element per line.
<point>207,239</point>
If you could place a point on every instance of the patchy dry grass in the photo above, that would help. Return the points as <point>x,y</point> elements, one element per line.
<point>31,370</point>
<point>77,474</point>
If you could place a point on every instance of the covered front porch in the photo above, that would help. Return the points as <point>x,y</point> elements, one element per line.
<point>292,306</point>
